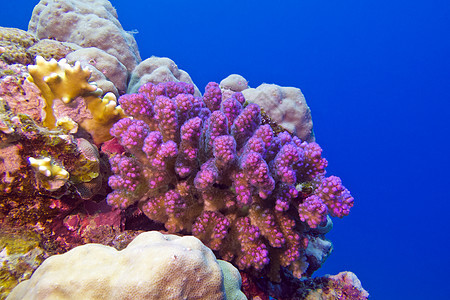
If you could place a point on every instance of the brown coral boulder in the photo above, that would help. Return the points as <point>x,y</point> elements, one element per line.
<point>14,44</point>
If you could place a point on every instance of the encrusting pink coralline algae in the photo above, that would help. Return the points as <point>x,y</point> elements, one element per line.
<point>210,167</point>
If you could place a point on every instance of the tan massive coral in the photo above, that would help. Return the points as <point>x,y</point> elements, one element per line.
<point>156,70</point>
<point>87,23</point>
<point>49,49</point>
<point>231,84</point>
<point>152,266</point>
<point>21,47</point>
<point>107,71</point>
<point>14,44</point>
<point>284,105</point>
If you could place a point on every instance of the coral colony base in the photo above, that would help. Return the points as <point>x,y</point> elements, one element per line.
<point>99,151</point>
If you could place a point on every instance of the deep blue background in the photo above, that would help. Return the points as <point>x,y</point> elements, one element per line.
<point>376,75</point>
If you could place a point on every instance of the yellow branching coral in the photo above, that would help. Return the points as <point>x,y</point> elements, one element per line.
<point>52,176</point>
<point>67,124</point>
<point>105,112</point>
<point>102,109</point>
<point>59,80</point>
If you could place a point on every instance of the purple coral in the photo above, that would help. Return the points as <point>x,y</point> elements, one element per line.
<point>166,116</point>
<point>133,137</point>
<point>257,174</point>
<point>127,178</point>
<point>224,151</point>
<point>213,96</point>
<point>245,124</point>
<point>137,105</point>
<point>231,107</point>
<point>187,159</point>
<point>211,227</point>
<point>207,176</point>
<point>314,164</point>
<point>288,156</point>
<point>208,167</point>
<point>253,252</point>
<point>313,211</point>
<point>336,197</point>
<point>216,125</point>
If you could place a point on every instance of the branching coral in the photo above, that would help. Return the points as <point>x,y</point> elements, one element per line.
<point>209,167</point>
<point>54,175</point>
<point>59,80</point>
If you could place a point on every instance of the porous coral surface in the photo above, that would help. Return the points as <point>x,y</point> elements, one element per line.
<point>209,167</point>
<point>14,44</point>
<point>286,106</point>
<point>86,23</point>
<point>156,70</point>
<point>152,266</point>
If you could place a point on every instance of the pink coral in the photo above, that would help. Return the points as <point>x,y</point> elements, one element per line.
<point>313,211</point>
<point>335,196</point>
<point>207,167</point>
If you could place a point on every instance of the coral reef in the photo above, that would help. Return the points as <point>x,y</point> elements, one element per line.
<point>51,176</point>
<point>234,83</point>
<point>286,106</point>
<point>21,47</point>
<point>237,168</point>
<point>49,49</point>
<point>21,95</point>
<point>85,222</point>
<point>57,94</point>
<point>86,23</point>
<point>344,285</point>
<point>152,266</point>
<point>208,167</point>
<point>231,84</point>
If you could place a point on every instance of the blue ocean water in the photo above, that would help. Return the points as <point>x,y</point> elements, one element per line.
<point>376,75</point>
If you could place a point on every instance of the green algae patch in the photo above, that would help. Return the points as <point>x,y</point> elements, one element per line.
<point>20,255</point>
